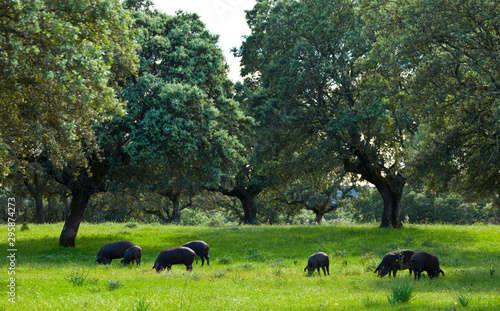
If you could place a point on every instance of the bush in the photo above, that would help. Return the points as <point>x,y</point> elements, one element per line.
<point>424,208</point>
<point>401,294</point>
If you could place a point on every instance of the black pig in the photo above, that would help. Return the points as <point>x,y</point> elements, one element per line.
<point>201,250</point>
<point>316,261</point>
<point>112,251</point>
<point>394,261</point>
<point>422,261</point>
<point>132,254</point>
<point>173,256</point>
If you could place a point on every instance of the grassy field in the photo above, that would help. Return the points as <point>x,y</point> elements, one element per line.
<point>252,268</point>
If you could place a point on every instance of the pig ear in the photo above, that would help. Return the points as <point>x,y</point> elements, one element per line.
<point>441,271</point>
<point>376,269</point>
<point>305,268</point>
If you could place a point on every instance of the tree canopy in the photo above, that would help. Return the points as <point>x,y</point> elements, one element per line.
<point>448,52</point>
<point>327,105</point>
<point>181,123</point>
<point>57,59</point>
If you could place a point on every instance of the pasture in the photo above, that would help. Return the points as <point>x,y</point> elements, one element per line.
<point>252,268</point>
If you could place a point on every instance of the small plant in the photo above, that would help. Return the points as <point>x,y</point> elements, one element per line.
<point>253,255</point>
<point>25,227</point>
<point>368,302</point>
<point>142,305</point>
<point>492,271</point>
<point>464,300</point>
<point>112,285</point>
<point>225,261</point>
<point>277,272</point>
<point>247,266</point>
<point>131,225</point>
<point>78,278</point>
<point>408,240</point>
<point>340,254</point>
<point>219,274</point>
<point>401,294</point>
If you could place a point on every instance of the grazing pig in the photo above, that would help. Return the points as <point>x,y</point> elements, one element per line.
<point>394,261</point>
<point>316,261</point>
<point>173,256</point>
<point>201,250</point>
<point>132,254</point>
<point>422,261</point>
<point>112,251</point>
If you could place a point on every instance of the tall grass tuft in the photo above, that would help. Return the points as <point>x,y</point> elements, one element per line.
<point>78,278</point>
<point>112,285</point>
<point>142,305</point>
<point>401,294</point>
<point>464,299</point>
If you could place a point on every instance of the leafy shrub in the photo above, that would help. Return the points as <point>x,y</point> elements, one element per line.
<point>142,305</point>
<point>112,285</point>
<point>424,208</point>
<point>401,294</point>
<point>464,299</point>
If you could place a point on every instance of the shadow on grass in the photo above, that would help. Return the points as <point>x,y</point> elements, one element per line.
<point>297,243</point>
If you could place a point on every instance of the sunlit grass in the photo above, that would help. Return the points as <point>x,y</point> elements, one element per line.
<point>253,268</point>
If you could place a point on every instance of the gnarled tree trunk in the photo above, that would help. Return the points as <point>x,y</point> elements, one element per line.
<point>249,207</point>
<point>391,190</point>
<point>36,190</point>
<point>78,204</point>
<point>389,183</point>
<point>247,196</point>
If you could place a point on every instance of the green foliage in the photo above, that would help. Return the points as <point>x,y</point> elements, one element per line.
<point>464,299</point>
<point>446,55</point>
<point>402,293</point>
<point>181,120</point>
<point>142,305</point>
<point>131,225</point>
<point>56,66</point>
<point>426,208</point>
<point>78,278</point>
<point>112,284</point>
<point>328,108</point>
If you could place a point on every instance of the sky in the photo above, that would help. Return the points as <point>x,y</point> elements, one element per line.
<point>223,17</point>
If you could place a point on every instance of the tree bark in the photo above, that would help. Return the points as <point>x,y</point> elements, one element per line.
<point>249,208</point>
<point>392,195</point>
<point>36,191</point>
<point>389,184</point>
<point>82,187</point>
<point>40,216</point>
<point>176,208</point>
<point>78,204</point>
<point>247,196</point>
<point>319,217</point>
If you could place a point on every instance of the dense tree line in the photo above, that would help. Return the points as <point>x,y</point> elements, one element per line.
<point>336,95</point>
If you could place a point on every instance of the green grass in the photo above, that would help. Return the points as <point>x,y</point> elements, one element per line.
<point>401,293</point>
<point>252,268</point>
